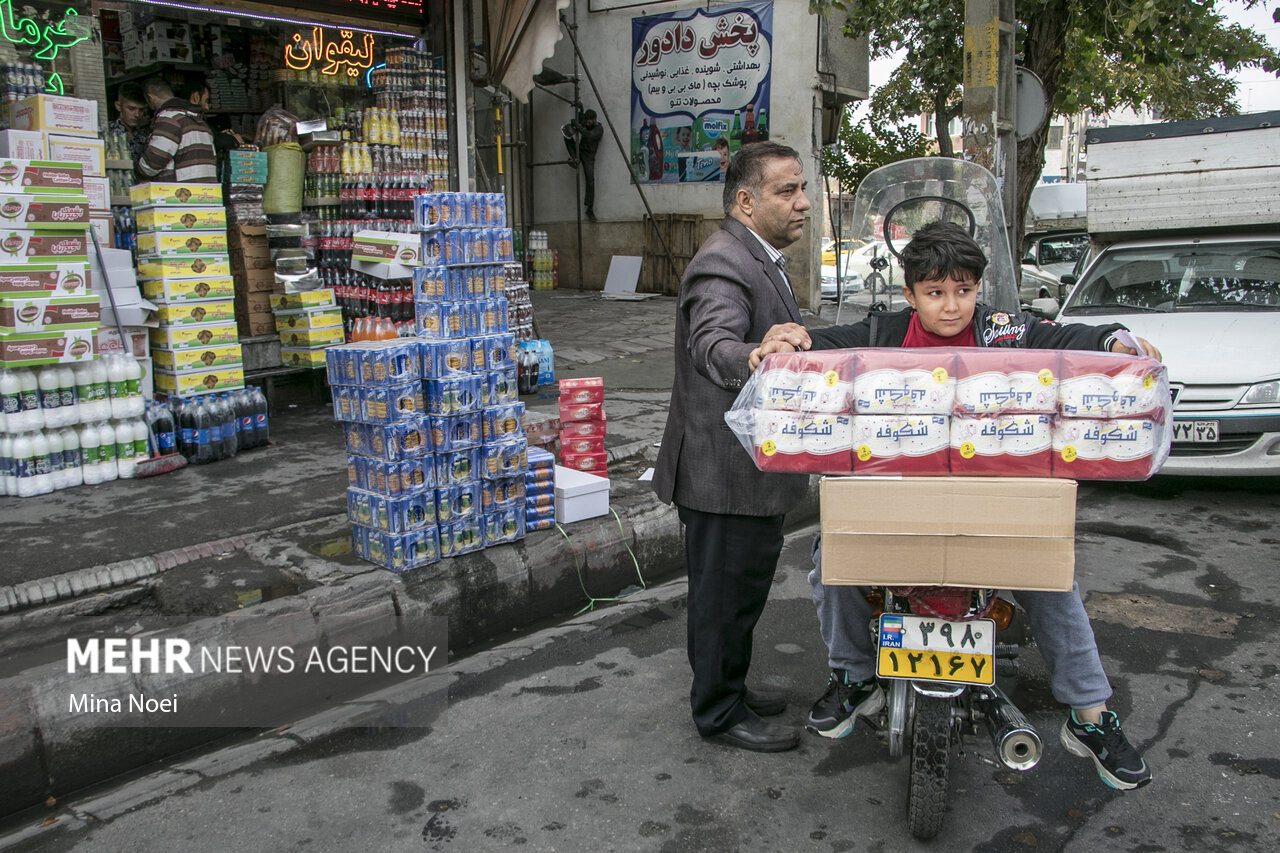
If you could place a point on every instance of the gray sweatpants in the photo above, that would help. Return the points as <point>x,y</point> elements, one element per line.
<point>1058,620</point>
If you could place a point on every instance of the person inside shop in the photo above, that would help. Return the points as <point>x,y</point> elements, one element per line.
<point>942,267</point>
<point>133,120</point>
<point>180,149</point>
<point>195,89</point>
<point>733,291</point>
<point>583,142</point>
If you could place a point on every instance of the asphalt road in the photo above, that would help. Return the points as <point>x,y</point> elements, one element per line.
<point>579,740</point>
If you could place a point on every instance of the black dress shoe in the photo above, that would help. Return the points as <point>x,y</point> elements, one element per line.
<point>759,736</point>
<point>765,704</point>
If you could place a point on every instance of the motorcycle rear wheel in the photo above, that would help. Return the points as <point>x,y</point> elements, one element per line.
<point>932,736</point>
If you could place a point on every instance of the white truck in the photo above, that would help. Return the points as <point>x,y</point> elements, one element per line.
<point>1185,223</point>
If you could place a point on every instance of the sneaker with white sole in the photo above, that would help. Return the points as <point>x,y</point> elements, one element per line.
<point>1119,763</point>
<point>840,706</point>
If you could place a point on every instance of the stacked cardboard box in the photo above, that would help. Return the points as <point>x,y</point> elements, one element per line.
<point>184,267</point>
<point>47,314</point>
<point>582,425</point>
<point>308,324</point>
<point>255,279</point>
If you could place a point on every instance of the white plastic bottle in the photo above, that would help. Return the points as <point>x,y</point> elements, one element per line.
<point>91,454</point>
<point>43,465</point>
<point>107,451</point>
<point>9,402</point>
<point>84,391</point>
<point>31,416</point>
<point>72,463</point>
<point>8,467</point>
<point>141,450</point>
<point>67,388</point>
<point>50,399</point>
<point>25,466</point>
<point>101,397</point>
<point>133,385</point>
<point>57,477</point>
<point>117,386</point>
<point>124,449</point>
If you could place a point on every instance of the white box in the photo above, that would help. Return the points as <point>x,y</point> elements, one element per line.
<point>98,191</point>
<point>56,113</point>
<point>23,145</point>
<point>91,154</point>
<point>580,495</point>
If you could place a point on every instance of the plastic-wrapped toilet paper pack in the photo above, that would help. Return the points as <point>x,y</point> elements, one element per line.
<point>820,382</point>
<point>901,444</point>
<point>1109,448</point>
<point>1006,380</point>
<point>1017,445</point>
<point>1110,385</point>
<point>903,381</point>
<point>802,443</point>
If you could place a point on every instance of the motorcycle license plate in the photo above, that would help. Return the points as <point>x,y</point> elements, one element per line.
<point>931,649</point>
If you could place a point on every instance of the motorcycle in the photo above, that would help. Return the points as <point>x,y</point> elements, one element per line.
<point>937,658</point>
<point>936,647</point>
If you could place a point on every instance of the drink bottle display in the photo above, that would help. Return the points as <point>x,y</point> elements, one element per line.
<point>261,430</point>
<point>107,451</point>
<point>10,400</point>
<point>24,466</point>
<point>163,430</point>
<point>226,426</point>
<point>206,450</point>
<point>244,414</point>
<point>30,414</point>
<point>8,467</point>
<point>90,454</point>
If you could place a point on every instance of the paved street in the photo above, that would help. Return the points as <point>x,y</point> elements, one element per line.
<point>577,738</point>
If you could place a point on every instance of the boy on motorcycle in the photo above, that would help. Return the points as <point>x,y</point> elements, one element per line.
<point>942,268</point>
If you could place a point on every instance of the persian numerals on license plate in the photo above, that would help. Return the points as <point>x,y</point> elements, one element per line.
<point>931,649</point>
<point>1196,432</point>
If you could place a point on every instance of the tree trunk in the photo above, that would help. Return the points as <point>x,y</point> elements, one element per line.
<point>1042,52</point>
<point>942,122</point>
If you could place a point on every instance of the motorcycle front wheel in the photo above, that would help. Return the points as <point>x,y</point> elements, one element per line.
<point>931,740</point>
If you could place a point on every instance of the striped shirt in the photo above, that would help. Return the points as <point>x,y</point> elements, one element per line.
<point>181,147</point>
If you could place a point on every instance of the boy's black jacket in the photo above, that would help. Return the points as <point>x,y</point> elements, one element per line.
<point>991,328</point>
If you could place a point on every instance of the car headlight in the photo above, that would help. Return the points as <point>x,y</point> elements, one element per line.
<point>1262,394</point>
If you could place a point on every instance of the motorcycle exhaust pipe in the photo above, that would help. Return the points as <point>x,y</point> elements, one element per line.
<point>1014,738</point>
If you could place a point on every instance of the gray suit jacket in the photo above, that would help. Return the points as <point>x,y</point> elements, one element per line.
<point>730,295</point>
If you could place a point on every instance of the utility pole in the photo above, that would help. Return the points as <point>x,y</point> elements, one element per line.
<point>989,90</point>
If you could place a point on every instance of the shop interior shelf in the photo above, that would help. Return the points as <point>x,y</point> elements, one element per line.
<point>323,201</point>
<point>119,164</point>
<point>157,68</point>
<point>121,201</point>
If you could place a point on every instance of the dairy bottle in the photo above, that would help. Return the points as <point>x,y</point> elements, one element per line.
<point>90,454</point>
<point>101,392</point>
<point>124,449</point>
<point>8,467</point>
<point>10,394</point>
<point>107,451</point>
<point>50,397</point>
<point>67,389</point>
<point>24,466</point>
<point>57,479</point>
<point>72,464</point>
<point>31,416</point>
<point>133,385</point>
<point>43,465</point>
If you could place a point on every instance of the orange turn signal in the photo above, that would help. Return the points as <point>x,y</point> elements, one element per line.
<point>1002,613</point>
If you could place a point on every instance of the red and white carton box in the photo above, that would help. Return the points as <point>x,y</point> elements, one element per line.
<point>817,382</point>
<point>1108,448</point>
<point>1014,445</point>
<point>803,443</point>
<point>578,429</point>
<point>582,444</point>
<point>901,444</point>
<point>1112,385</point>
<point>586,389</point>
<point>593,463</point>
<point>581,412</point>
<point>904,381</point>
<point>994,381</point>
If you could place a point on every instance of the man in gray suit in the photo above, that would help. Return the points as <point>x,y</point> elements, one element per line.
<point>733,290</point>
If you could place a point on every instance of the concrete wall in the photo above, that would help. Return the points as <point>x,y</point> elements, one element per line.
<point>605,40</point>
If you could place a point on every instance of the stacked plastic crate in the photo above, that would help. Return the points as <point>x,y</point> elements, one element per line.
<point>469,371</point>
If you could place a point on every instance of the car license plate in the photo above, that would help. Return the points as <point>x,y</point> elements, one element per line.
<point>924,647</point>
<point>1196,432</point>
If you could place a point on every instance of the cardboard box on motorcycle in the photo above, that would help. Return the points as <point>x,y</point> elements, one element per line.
<point>996,532</point>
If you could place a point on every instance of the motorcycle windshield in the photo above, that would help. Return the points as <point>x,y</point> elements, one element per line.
<point>894,201</point>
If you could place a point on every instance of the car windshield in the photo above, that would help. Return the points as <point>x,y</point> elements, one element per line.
<point>1209,277</point>
<point>1063,250</point>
